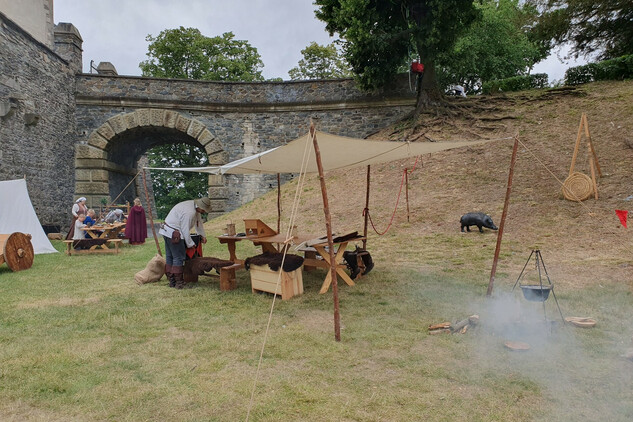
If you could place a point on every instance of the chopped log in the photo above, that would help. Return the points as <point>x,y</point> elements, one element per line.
<point>473,319</point>
<point>441,325</point>
<point>463,330</point>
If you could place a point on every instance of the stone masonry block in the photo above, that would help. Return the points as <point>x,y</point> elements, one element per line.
<point>88,163</point>
<point>143,117</point>
<point>130,120</point>
<point>157,117</point>
<point>217,205</point>
<point>205,137</point>
<point>213,147</point>
<point>195,128</point>
<point>218,192</point>
<point>99,176</point>
<point>219,158</point>
<point>82,175</point>
<point>92,188</point>
<point>170,119</point>
<point>96,140</point>
<point>106,131</point>
<point>87,151</point>
<point>216,180</point>
<point>118,123</point>
<point>182,123</point>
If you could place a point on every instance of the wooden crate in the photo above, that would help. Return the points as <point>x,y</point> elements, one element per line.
<point>264,279</point>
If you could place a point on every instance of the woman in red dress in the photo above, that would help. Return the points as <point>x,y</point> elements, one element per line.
<point>136,226</point>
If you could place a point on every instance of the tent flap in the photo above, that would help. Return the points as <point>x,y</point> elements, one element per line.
<point>17,215</point>
<point>337,152</point>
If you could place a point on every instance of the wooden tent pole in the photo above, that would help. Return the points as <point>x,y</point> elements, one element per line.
<point>149,208</point>
<point>592,151</point>
<point>330,241</point>
<point>366,210</point>
<point>278,203</point>
<point>503,216</point>
<point>577,145</point>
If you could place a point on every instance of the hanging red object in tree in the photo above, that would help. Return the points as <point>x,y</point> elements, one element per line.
<point>417,67</point>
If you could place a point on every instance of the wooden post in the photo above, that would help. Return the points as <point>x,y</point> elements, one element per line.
<point>503,216</point>
<point>406,191</point>
<point>366,210</point>
<point>278,203</point>
<point>330,242</point>
<point>149,209</point>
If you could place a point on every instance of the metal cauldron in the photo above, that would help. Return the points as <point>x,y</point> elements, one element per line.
<point>535,293</point>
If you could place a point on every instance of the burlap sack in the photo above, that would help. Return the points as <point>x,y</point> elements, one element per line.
<point>153,271</point>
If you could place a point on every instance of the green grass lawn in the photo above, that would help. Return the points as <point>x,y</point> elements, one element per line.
<point>80,340</point>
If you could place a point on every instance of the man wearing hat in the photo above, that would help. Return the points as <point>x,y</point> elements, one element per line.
<point>183,217</point>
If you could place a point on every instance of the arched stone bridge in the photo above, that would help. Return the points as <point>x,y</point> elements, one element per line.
<point>120,118</point>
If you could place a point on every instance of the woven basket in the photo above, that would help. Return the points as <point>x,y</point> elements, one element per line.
<point>578,187</point>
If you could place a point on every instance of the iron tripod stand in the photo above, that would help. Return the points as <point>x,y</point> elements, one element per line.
<point>538,292</point>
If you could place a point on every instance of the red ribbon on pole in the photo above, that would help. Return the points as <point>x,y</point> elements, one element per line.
<point>622,214</point>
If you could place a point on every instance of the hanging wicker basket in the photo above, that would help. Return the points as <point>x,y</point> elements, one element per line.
<point>578,187</point>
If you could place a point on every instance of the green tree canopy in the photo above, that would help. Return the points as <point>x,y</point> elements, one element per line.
<point>603,28</point>
<point>379,36</point>
<point>496,46</point>
<point>321,62</point>
<point>187,54</point>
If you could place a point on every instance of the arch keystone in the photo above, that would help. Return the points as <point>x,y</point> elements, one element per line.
<point>170,119</point>
<point>143,116</point>
<point>157,117</point>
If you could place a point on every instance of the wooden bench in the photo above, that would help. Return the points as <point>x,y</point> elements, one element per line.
<point>111,242</point>
<point>227,277</point>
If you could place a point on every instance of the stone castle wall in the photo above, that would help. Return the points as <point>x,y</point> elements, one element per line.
<point>37,130</point>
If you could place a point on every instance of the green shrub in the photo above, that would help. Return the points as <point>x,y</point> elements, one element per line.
<point>607,70</point>
<point>516,83</point>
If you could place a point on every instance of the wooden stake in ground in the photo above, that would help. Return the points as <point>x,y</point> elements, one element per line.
<point>366,209</point>
<point>278,203</point>
<point>330,241</point>
<point>503,216</point>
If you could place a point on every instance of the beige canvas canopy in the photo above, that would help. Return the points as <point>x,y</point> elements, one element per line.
<point>337,152</point>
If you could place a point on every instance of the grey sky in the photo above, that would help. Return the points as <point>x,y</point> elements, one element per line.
<point>115,30</point>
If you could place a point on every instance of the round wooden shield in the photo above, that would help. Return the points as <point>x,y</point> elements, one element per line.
<point>18,251</point>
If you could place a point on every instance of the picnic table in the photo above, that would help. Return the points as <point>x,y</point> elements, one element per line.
<point>313,246</point>
<point>106,236</point>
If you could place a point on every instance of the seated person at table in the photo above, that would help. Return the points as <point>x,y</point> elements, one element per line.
<point>114,216</point>
<point>90,221</point>
<point>176,233</point>
<point>79,232</point>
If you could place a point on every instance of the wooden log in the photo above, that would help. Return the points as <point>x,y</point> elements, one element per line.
<point>438,326</point>
<point>440,331</point>
<point>472,320</point>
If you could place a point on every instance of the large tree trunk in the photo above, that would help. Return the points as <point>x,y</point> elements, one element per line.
<point>428,88</point>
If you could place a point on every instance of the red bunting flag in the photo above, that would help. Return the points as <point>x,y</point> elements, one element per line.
<point>622,214</point>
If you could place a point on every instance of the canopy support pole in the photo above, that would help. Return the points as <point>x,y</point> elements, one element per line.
<point>278,203</point>
<point>149,208</point>
<point>406,177</point>
<point>330,242</point>
<point>503,216</point>
<point>366,212</point>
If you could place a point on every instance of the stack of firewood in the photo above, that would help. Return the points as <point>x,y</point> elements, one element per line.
<point>460,327</point>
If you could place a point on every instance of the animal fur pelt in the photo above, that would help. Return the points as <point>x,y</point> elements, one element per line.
<point>153,271</point>
<point>273,260</point>
<point>200,266</point>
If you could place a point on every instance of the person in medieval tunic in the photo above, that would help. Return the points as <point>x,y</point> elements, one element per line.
<point>176,231</point>
<point>136,226</point>
<point>78,232</point>
<point>78,208</point>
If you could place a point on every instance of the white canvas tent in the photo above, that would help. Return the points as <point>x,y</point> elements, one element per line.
<point>337,152</point>
<point>17,215</point>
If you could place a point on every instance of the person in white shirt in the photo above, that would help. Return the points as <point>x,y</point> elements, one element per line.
<point>78,233</point>
<point>176,232</point>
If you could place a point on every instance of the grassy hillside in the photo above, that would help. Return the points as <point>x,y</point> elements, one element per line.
<point>583,244</point>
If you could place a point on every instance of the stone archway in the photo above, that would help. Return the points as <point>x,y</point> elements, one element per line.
<point>95,165</point>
